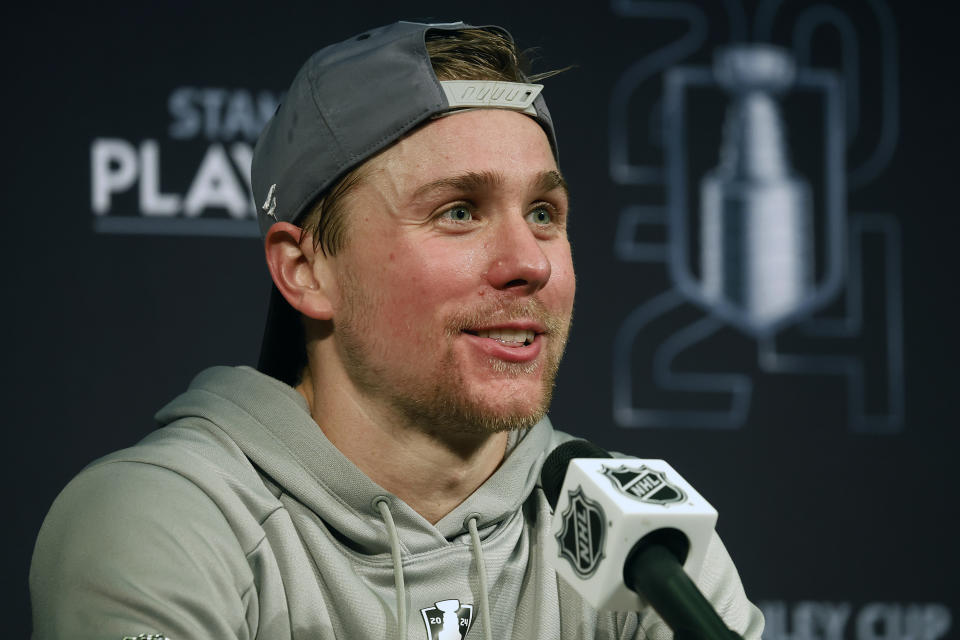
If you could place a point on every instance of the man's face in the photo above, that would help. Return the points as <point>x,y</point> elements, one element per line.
<point>456,284</point>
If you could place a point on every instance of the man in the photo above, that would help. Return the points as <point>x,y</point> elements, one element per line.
<point>376,477</point>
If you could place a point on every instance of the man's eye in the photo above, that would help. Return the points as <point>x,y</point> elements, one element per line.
<point>458,213</point>
<point>540,215</point>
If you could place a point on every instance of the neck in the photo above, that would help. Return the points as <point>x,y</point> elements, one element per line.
<point>431,469</point>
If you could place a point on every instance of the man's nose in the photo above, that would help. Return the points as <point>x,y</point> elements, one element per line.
<point>518,262</point>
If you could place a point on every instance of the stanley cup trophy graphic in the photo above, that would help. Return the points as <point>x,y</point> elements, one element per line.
<point>450,629</point>
<point>448,619</point>
<point>760,239</point>
<point>756,223</point>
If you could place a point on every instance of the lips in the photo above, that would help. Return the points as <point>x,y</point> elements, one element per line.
<point>519,343</point>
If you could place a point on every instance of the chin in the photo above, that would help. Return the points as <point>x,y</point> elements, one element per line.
<point>488,422</point>
<point>480,414</point>
<point>519,408</point>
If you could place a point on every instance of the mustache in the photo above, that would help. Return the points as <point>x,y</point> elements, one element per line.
<point>492,312</point>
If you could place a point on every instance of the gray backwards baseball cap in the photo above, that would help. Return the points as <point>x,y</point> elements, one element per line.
<point>349,101</point>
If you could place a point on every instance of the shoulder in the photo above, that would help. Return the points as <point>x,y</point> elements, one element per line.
<point>144,539</point>
<point>130,548</point>
<point>183,479</point>
<point>720,583</point>
<point>137,511</point>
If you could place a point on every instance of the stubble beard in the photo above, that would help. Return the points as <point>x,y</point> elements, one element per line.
<point>440,404</point>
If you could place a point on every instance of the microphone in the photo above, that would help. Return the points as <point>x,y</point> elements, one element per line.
<point>631,533</point>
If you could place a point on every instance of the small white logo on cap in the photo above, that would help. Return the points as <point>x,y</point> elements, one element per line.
<point>270,204</point>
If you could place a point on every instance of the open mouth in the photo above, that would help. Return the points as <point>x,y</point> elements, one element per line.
<point>508,337</point>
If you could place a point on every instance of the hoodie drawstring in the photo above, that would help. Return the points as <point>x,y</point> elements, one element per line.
<point>398,570</point>
<point>482,571</point>
<point>397,566</point>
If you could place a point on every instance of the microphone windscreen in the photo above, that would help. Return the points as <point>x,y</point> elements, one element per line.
<point>555,466</point>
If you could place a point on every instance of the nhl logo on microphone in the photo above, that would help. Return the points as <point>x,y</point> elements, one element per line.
<point>596,534</point>
<point>644,484</point>
<point>582,537</point>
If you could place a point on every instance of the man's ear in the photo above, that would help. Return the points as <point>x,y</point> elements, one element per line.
<point>299,273</point>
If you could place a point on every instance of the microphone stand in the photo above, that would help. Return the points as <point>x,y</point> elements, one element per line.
<point>652,570</point>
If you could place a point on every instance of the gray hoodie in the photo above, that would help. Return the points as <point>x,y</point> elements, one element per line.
<point>239,519</point>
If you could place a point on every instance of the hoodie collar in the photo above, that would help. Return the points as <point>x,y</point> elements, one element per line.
<point>272,425</point>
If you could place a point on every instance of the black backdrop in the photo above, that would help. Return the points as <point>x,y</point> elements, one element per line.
<point>827,449</point>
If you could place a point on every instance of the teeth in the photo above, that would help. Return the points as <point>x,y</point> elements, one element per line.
<point>513,336</point>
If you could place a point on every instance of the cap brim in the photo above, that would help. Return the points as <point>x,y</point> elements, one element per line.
<point>283,352</point>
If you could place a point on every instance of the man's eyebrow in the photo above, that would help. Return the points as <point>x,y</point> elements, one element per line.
<point>478,180</point>
<point>550,180</point>
<point>470,181</point>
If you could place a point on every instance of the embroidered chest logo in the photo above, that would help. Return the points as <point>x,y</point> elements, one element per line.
<point>645,484</point>
<point>447,620</point>
<point>582,536</point>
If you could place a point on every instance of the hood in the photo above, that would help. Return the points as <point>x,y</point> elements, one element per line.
<point>270,422</point>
